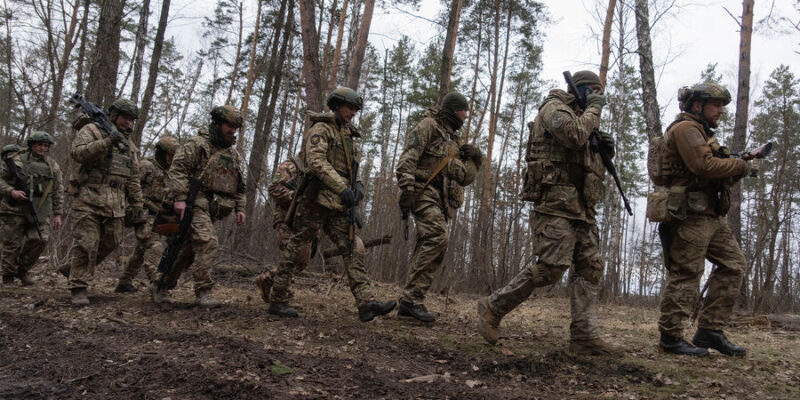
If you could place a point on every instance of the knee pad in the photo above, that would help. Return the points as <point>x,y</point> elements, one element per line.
<point>590,269</point>
<point>544,275</point>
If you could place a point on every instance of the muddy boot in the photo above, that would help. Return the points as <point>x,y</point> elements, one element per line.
<point>26,279</point>
<point>676,345</point>
<point>205,299</point>
<point>417,311</point>
<point>123,287</point>
<point>488,322</point>
<point>8,280</point>
<point>282,310</point>
<point>64,270</point>
<point>595,347</point>
<point>373,308</point>
<point>707,338</point>
<point>264,285</point>
<point>79,297</point>
<point>159,296</point>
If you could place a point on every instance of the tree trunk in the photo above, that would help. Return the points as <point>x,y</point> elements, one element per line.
<point>238,54</point>
<point>147,99</point>
<point>607,41</point>
<point>82,47</point>
<point>742,104</point>
<point>652,118</point>
<point>101,88</point>
<point>354,72</point>
<point>449,47</point>
<point>141,43</point>
<point>311,65</point>
<point>251,72</point>
<point>70,40</point>
<point>325,50</point>
<point>337,52</point>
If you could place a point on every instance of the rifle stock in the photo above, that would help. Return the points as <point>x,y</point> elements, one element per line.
<point>175,243</point>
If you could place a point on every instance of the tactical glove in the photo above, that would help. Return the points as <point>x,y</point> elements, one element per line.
<point>348,197</point>
<point>407,200</point>
<point>595,99</point>
<point>359,192</point>
<point>607,145</point>
<point>472,152</point>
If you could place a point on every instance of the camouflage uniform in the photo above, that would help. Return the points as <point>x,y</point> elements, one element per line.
<point>690,163</point>
<point>21,243</point>
<point>222,191</point>
<point>564,179</point>
<point>108,181</point>
<point>319,207</point>
<point>431,144</point>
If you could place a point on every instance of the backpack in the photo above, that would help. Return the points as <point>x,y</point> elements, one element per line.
<point>655,158</point>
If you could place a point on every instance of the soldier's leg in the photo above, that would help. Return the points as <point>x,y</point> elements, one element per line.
<point>143,241</point>
<point>111,236</point>
<point>584,283</point>
<point>307,221</point>
<point>725,281</point>
<point>86,231</point>
<point>687,262</point>
<point>13,232</point>
<point>337,227</point>
<point>32,248</point>
<point>429,251</point>
<point>554,246</point>
<point>204,246</point>
<point>152,257</point>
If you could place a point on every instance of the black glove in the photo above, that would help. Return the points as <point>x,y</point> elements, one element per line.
<point>291,184</point>
<point>407,200</point>
<point>348,197</point>
<point>607,144</point>
<point>359,192</point>
<point>594,99</point>
<point>472,152</point>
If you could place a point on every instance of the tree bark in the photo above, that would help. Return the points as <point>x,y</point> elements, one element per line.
<point>251,72</point>
<point>607,41</point>
<point>70,40</point>
<point>82,48</point>
<point>354,72</point>
<point>652,118</point>
<point>147,99</point>
<point>238,54</point>
<point>101,88</point>
<point>311,64</point>
<point>141,43</point>
<point>449,47</point>
<point>337,52</point>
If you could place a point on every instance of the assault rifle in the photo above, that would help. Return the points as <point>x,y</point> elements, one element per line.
<point>175,242</point>
<point>21,184</point>
<point>99,117</point>
<point>335,251</point>
<point>759,153</point>
<point>594,143</point>
<point>352,212</point>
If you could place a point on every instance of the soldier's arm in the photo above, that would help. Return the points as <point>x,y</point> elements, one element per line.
<point>697,156</point>
<point>58,190</point>
<point>462,171</point>
<point>5,176</point>
<point>415,142</point>
<point>177,180</point>
<point>147,173</point>
<point>570,130</point>
<point>133,187</point>
<point>316,146</point>
<point>277,189</point>
<point>86,147</point>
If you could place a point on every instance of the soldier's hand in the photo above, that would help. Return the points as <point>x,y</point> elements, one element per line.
<point>408,198</point>
<point>18,195</point>
<point>348,197</point>
<point>240,218</point>
<point>607,144</point>
<point>472,152</point>
<point>595,99</point>
<point>57,222</point>
<point>180,208</point>
<point>359,192</point>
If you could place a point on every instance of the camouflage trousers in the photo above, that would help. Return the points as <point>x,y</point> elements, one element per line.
<point>95,238</point>
<point>21,244</point>
<point>309,219</point>
<point>560,243</point>
<point>694,240</point>
<point>282,235</point>
<point>198,251</point>
<point>145,240</point>
<point>429,250</point>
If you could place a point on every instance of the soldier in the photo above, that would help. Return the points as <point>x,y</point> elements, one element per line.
<point>152,171</point>
<point>211,157</point>
<point>692,164</point>
<point>330,156</point>
<point>432,173</point>
<point>22,244</point>
<point>564,179</point>
<point>281,191</point>
<point>108,183</point>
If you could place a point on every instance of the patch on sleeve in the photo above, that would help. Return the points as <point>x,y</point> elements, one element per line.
<point>276,175</point>
<point>694,138</point>
<point>315,139</point>
<point>557,121</point>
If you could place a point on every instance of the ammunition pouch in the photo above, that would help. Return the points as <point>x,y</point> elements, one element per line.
<point>723,204</point>
<point>657,210</point>
<point>219,207</point>
<point>676,203</point>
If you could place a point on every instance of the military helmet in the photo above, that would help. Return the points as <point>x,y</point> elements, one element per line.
<point>455,101</point>
<point>123,107</point>
<point>227,113</point>
<point>344,95</point>
<point>38,137</point>
<point>586,77</point>
<point>702,92</point>
<point>167,144</point>
<point>9,148</point>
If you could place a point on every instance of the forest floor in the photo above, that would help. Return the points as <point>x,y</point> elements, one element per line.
<point>126,347</point>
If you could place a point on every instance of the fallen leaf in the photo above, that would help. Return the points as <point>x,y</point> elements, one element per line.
<point>279,369</point>
<point>472,383</point>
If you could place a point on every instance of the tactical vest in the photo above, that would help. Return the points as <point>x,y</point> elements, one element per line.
<point>671,165</point>
<point>221,174</point>
<point>440,148</point>
<point>41,180</point>
<point>113,169</point>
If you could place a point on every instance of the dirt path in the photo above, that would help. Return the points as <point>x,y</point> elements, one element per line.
<point>123,346</point>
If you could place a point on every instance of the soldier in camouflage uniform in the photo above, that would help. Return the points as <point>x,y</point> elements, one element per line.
<point>281,191</point>
<point>564,179</point>
<point>153,173</point>
<point>432,173</point>
<point>695,165</point>
<point>330,153</point>
<point>210,157</point>
<point>108,182</point>
<point>21,243</point>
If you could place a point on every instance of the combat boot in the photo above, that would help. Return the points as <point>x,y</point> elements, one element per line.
<point>282,310</point>
<point>125,288</point>
<point>79,297</point>
<point>709,338</point>
<point>8,280</point>
<point>205,299</point>
<point>373,308</point>
<point>488,322</point>
<point>676,345</point>
<point>595,347</point>
<point>159,296</point>
<point>26,279</point>
<point>64,269</point>
<point>264,285</point>
<point>417,311</point>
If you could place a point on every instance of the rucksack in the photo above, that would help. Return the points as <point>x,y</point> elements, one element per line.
<point>655,158</point>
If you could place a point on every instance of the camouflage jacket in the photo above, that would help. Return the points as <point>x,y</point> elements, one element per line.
<point>153,180</point>
<point>567,175</point>
<point>689,161</point>
<point>429,144</point>
<point>108,176</point>
<point>40,173</point>
<point>326,158</point>
<point>192,159</point>
<point>281,190</point>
